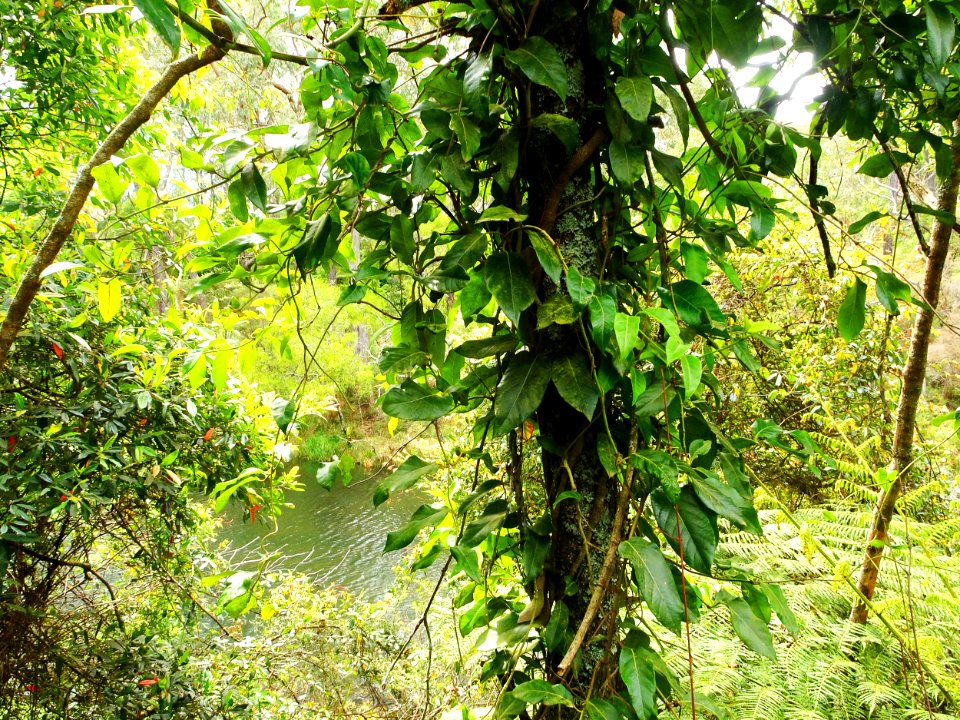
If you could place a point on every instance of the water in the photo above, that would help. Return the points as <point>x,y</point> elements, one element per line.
<point>336,536</point>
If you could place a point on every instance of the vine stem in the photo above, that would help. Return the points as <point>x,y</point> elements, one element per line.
<point>606,570</point>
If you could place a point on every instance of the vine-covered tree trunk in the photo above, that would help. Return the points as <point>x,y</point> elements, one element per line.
<point>913,375</point>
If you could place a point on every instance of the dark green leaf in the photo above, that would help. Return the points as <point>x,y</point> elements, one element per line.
<point>574,381</point>
<point>254,186</point>
<point>635,95</point>
<point>880,166</point>
<point>626,162</point>
<point>940,33</point>
<point>564,128</point>
<point>655,580</point>
<point>778,602</point>
<point>540,61</point>
<point>520,391</point>
<point>405,476</point>
<point>890,289</point>
<point>487,347</point>
<point>424,516</point>
<point>580,287</point>
<point>697,530</point>
<point>319,244</point>
<point>727,502</point>
<point>489,521</point>
<point>860,224</point>
<point>557,310</point>
<point>693,304</point>
<point>603,308</point>
<point>548,255</point>
<point>508,278</point>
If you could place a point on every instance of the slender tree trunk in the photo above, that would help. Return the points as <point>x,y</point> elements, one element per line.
<point>914,372</point>
<point>60,233</point>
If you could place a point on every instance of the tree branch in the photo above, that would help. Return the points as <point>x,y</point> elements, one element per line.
<point>60,232</point>
<point>549,215</point>
<point>814,201</point>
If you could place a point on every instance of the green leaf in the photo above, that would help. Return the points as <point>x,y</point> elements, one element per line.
<point>487,347</point>
<point>940,33</point>
<point>653,401</point>
<point>751,629</point>
<point>329,473</point>
<point>411,401</point>
<point>637,674</point>
<point>580,287</point>
<point>162,20</point>
<point>603,308</point>
<point>574,381</point>
<point>319,244</point>
<point>404,477</point>
<point>238,201</point>
<point>635,95</point>
<point>557,310</point>
<point>520,391</point>
<point>599,709</point>
<point>508,278</point>
<point>626,329</point>
<point>880,166</point>
<point>655,580</point>
<point>467,133</point>
<point>500,213</point>
<point>540,692</point>
<point>563,127</point>
<point>254,186</point>
<point>547,254</point>
<point>111,185</point>
<point>476,76</point>
<point>697,529</point>
<point>693,304</point>
<point>282,410</point>
<point>626,162</point>
<point>890,289</point>
<point>144,169</point>
<point>852,314</point>
<point>489,521</point>
<point>540,61</point>
<point>692,369</point>
<point>727,502</point>
<point>695,262</point>
<point>860,224</point>
<point>423,516</point>
<point>778,602</point>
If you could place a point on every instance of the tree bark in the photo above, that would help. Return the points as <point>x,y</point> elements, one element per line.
<point>63,227</point>
<point>914,372</point>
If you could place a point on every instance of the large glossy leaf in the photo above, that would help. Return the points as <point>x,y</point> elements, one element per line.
<point>412,401</point>
<point>508,278</point>
<point>626,162</point>
<point>693,304</point>
<point>520,391</point>
<point>656,582</point>
<point>405,476</point>
<point>540,61</point>
<point>603,308</point>
<point>636,671</point>
<point>635,95</point>
<point>941,28</point>
<point>574,381</point>
<point>542,693</point>
<point>697,529</point>
<point>547,254</point>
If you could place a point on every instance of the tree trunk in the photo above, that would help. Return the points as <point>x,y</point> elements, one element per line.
<point>60,233</point>
<point>914,372</point>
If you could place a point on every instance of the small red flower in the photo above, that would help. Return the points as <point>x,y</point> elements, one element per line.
<point>57,350</point>
<point>141,422</point>
<point>11,443</point>
<point>62,498</point>
<point>148,681</point>
<point>253,512</point>
<point>31,687</point>
<point>208,434</point>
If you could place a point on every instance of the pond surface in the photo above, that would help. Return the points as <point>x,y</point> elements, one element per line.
<point>335,536</point>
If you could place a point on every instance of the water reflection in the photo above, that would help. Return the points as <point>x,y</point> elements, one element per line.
<point>336,536</point>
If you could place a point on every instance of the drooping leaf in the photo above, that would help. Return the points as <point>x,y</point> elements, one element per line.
<point>638,677</point>
<point>696,532</point>
<point>111,185</point>
<point>692,369</point>
<point>751,629</point>
<point>489,521</point>
<point>656,582</point>
<point>693,304</point>
<point>626,162</point>
<point>508,279</point>
<point>941,29</point>
<point>520,391</point>
<point>548,255</point>
<point>144,169</point>
<point>488,347</point>
<point>626,329</point>
<point>423,516</point>
<point>405,476</point>
<point>574,381</point>
<point>254,186</point>
<point>852,314</point>
<point>727,502</point>
<point>109,298</point>
<point>778,601</point>
<point>540,692</point>
<point>540,61</point>
<point>161,19</point>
